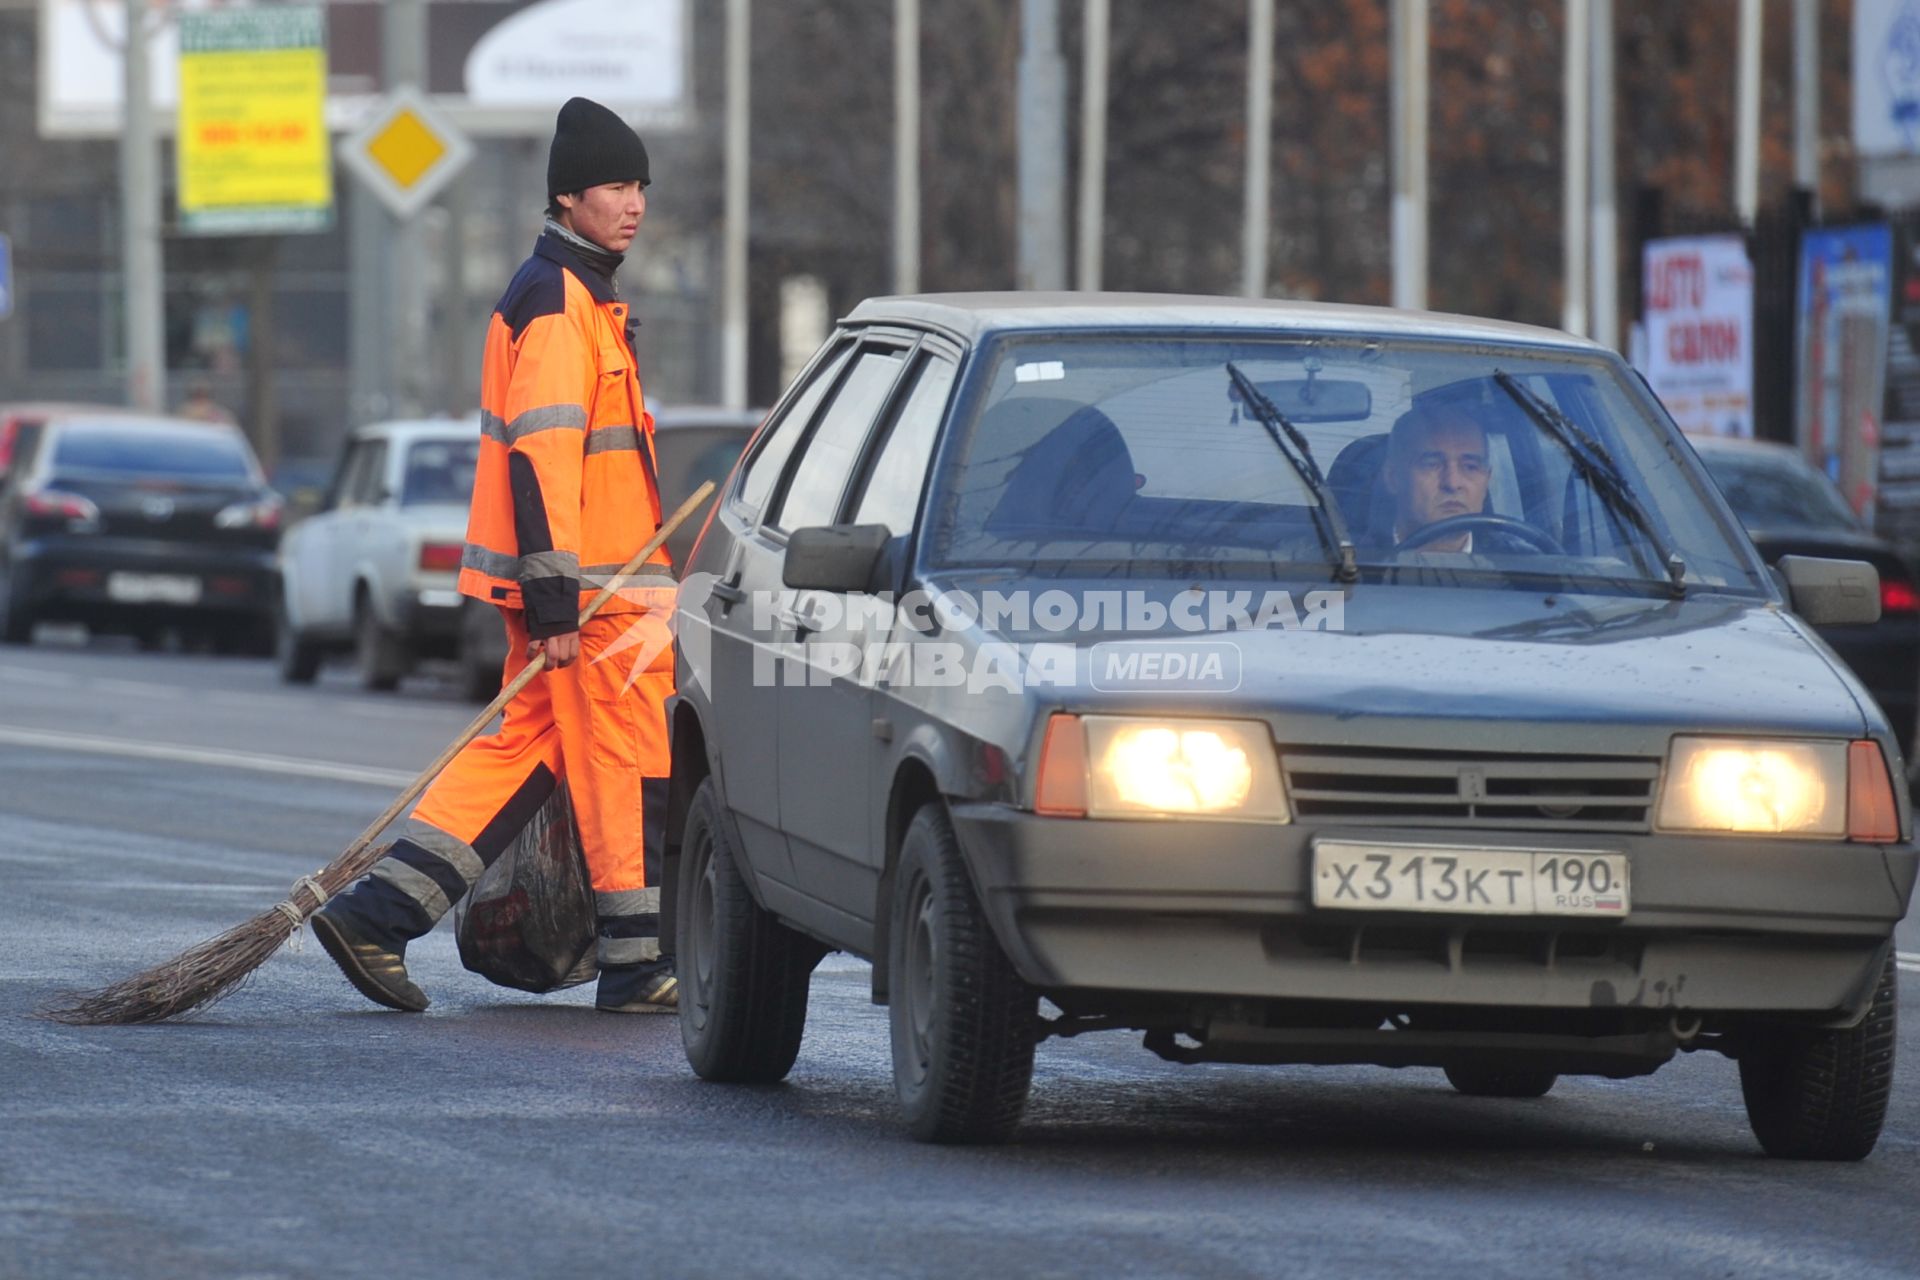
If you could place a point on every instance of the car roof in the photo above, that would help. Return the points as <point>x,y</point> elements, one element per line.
<point>974,315</point>
<point>705,415</point>
<point>414,428</point>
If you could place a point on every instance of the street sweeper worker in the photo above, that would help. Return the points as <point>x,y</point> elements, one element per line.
<point>564,495</point>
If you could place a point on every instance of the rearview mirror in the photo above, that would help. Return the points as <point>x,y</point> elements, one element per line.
<point>1319,399</point>
<point>1832,593</point>
<point>839,557</point>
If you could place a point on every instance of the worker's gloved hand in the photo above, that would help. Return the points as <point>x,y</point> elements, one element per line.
<point>560,650</point>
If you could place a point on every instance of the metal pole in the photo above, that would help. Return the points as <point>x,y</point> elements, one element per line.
<point>1604,228</point>
<point>733,304</point>
<point>1746,155</point>
<point>1091,242</point>
<point>1573,307</point>
<point>1806,97</point>
<point>141,263</point>
<point>906,146</point>
<point>1410,153</point>
<point>403,56</point>
<point>1043,148</point>
<point>1259,181</point>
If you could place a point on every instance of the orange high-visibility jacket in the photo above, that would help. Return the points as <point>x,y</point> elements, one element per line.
<point>565,492</point>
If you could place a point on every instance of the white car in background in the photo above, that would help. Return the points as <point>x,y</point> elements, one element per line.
<point>374,571</point>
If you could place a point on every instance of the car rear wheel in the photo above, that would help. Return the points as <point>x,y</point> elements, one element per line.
<point>379,654</point>
<point>964,1024</point>
<point>16,619</point>
<point>744,976</point>
<point>1822,1095</point>
<point>299,657</point>
<point>1485,1080</point>
<point>17,627</point>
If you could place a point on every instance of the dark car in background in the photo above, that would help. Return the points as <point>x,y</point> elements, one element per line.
<point>140,526</point>
<point>1790,508</point>
<point>696,443</point>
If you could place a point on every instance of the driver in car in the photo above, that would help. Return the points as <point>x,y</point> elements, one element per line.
<point>1436,469</point>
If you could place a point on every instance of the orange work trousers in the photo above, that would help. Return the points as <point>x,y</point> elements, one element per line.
<point>596,724</point>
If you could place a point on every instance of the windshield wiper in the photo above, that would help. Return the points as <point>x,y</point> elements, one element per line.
<point>1327,520</point>
<point>1596,466</point>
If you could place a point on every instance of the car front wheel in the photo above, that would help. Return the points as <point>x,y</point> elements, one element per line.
<point>964,1024</point>
<point>1822,1095</point>
<point>743,975</point>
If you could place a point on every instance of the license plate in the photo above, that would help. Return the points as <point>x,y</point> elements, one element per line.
<point>1470,880</point>
<point>153,588</point>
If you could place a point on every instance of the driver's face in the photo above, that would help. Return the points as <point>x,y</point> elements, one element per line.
<point>1444,475</point>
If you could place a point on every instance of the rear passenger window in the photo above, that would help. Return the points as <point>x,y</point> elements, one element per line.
<point>892,493</point>
<point>764,468</point>
<point>820,477</point>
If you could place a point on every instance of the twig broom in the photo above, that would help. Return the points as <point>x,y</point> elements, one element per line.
<point>209,970</point>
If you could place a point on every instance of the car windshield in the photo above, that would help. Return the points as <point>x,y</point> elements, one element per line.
<point>202,453</point>
<point>1449,464</point>
<point>439,471</point>
<point>1773,491</point>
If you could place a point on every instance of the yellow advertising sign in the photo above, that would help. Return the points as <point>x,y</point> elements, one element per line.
<point>253,149</point>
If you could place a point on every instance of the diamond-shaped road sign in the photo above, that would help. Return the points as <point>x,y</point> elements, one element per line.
<point>406,152</point>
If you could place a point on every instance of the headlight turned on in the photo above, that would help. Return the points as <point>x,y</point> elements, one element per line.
<point>1779,787</point>
<point>1123,767</point>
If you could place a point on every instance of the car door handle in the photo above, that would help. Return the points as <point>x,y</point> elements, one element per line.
<point>729,592</point>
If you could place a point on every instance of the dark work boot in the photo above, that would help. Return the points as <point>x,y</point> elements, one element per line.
<point>634,976</point>
<point>366,931</point>
<point>649,987</point>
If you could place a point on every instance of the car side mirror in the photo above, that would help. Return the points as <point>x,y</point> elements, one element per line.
<point>1832,593</point>
<point>837,557</point>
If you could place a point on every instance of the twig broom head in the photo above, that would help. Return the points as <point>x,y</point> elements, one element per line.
<point>209,970</point>
<point>198,976</point>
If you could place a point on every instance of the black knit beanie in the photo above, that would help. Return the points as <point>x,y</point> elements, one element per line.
<point>591,146</point>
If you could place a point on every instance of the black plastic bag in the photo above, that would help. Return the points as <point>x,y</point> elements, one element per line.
<point>529,923</point>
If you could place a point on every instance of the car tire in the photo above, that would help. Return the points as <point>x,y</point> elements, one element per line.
<point>479,681</point>
<point>1480,1080</point>
<point>1822,1095</point>
<point>299,658</point>
<point>964,1024</point>
<point>480,664</point>
<point>744,976</point>
<point>248,638</point>
<point>378,653</point>
<point>17,627</point>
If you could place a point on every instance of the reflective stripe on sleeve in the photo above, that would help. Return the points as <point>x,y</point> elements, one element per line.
<point>553,417</point>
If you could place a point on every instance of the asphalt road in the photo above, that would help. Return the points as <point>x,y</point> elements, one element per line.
<point>294,1131</point>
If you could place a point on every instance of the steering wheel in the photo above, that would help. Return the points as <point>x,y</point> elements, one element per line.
<point>1531,534</point>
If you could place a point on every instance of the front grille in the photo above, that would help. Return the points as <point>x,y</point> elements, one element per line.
<point>1459,789</point>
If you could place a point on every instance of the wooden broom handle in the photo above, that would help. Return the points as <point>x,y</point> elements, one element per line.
<point>533,668</point>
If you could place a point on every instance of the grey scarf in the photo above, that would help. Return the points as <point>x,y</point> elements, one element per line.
<point>604,261</point>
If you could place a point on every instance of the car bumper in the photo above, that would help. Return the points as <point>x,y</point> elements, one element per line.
<point>1225,910</point>
<point>89,578</point>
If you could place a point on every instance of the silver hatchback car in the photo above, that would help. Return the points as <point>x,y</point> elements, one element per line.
<point>1291,683</point>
